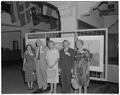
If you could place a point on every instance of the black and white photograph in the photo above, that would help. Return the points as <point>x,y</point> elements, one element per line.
<point>59,47</point>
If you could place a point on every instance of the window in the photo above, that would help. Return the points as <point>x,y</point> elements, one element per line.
<point>13,18</point>
<point>22,19</point>
<point>27,4</point>
<point>15,45</point>
<point>28,16</point>
<point>21,7</point>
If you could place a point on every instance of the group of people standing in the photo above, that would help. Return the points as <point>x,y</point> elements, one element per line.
<point>50,65</point>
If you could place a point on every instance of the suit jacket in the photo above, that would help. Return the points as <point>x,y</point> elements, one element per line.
<point>66,61</point>
<point>42,54</point>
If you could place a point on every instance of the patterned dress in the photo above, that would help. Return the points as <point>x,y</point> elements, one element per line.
<point>29,67</point>
<point>82,67</point>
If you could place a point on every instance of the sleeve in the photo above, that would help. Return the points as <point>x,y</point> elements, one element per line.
<point>36,52</point>
<point>57,54</point>
<point>87,54</point>
<point>88,59</point>
<point>46,55</point>
<point>46,50</point>
<point>73,58</point>
<point>60,59</point>
<point>33,54</point>
<point>24,55</point>
<point>75,55</point>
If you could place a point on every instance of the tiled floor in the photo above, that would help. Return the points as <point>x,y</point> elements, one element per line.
<point>13,82</point>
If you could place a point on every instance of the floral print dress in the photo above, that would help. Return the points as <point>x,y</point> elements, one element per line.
<point>82,67</point>
<point>29,67</point>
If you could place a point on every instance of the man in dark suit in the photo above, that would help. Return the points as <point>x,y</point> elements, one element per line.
<point>66,64</point>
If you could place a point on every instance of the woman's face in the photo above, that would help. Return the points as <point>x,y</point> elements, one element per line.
<point>51,45</point>
<point>79,44</point>
<point>66,44</point>
<point>29,48</point>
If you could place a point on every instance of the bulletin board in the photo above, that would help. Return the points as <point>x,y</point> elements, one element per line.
<point>95,40</point>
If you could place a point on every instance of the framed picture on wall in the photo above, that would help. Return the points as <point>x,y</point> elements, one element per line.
<point>95,44</point>
<point>15,45</point>
<point>33,42</point>
<point>59,44</point>
<point>32,37</point>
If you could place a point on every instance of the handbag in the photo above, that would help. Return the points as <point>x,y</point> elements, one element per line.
<point>74,83</point>
<point>74,80</point>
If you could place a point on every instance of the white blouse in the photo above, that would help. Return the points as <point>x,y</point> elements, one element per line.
<point>51,56</point>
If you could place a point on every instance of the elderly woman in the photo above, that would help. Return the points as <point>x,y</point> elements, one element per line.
<point>52,66</point>
<point>82,66</point>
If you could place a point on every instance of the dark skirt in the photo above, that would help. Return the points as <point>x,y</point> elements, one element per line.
<point>30,76</point>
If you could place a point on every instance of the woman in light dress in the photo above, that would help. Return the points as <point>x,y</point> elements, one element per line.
<point>52,66</point>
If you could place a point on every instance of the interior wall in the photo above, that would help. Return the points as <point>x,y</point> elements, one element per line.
<point>6,18</point>
<point>10,36</point>
<point>109,20</point>
<point>84,7</point>
<point>113,46</point>
<point>93,19</point>
<point>113,73</point>
<point>10,53</point>
<point>68,21</point>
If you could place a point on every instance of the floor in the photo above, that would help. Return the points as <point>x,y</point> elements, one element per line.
<point>13,82</point>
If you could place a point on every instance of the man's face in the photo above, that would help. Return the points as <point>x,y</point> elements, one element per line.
<point>66,44</point>
<point>79,45</point>
<point>39,43</point>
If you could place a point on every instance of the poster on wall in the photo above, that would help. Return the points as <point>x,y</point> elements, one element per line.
<point>32,42</point>
<point>95,44</point>
<point>59,44</point>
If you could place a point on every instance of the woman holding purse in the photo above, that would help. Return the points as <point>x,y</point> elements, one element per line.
<point>82,65</point>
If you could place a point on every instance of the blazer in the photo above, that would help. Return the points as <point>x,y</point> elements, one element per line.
<point>66,61</point>
<point>42,54</point>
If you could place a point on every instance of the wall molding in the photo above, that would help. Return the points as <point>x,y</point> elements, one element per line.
<point>11,25</point>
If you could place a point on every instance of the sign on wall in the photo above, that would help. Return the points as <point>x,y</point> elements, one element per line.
<point>59,42</point>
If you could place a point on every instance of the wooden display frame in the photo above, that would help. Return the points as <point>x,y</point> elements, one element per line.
<point>101,31</point>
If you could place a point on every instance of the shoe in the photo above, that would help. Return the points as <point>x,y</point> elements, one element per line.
<point>50,91</point>
<point>40,89</point>
<point>30,88</point>
<point>44,88</point>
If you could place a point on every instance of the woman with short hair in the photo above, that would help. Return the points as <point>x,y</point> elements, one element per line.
<point>52,66</point>
<point>29,66</point>
<point>82,65</point>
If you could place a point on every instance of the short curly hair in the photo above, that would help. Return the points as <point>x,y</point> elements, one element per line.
<point>27,46</point>
<point>66,41</point>
<point>51,42</point>
<point>80,41</point>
